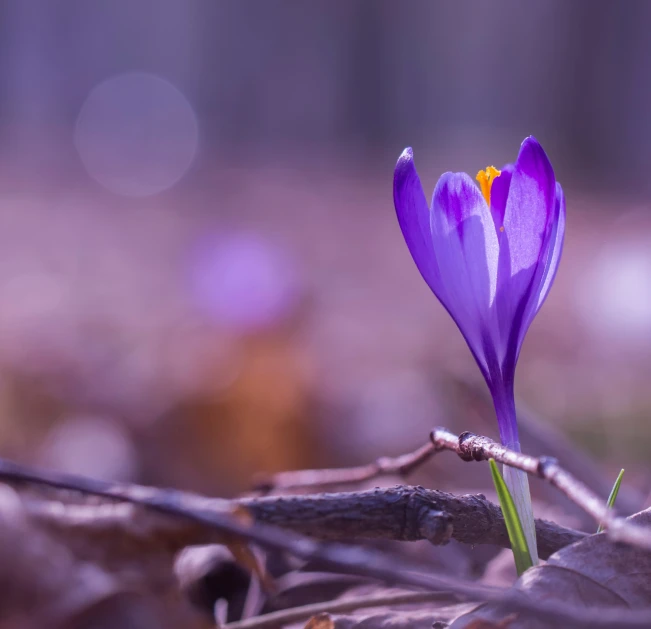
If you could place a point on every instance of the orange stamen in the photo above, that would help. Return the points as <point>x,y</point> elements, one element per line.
<point>486,179</point>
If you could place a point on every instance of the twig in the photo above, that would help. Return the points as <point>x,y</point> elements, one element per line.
<point>296,614</point>
<point>400,466</point>
<point>541,437</point>
<point>471,447</point>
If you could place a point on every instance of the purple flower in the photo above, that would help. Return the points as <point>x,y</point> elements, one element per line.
<point>490,254</point>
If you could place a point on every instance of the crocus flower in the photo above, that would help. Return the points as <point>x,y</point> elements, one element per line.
<point>489,253</point>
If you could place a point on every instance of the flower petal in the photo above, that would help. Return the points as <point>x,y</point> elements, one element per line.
<point>556,248</point>
<point>552,258</point>
<point>528,221</point>
<point>529,206</point>
<point>466,250</point>
<point>413,217</point>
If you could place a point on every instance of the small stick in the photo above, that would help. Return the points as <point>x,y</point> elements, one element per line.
<point>401,466</point>
<point>471,447</point>
<point>296,614</point>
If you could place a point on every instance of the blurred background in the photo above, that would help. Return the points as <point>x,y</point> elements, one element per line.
<point>201,273</point>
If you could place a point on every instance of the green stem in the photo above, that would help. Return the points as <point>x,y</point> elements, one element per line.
<point>516,480</point>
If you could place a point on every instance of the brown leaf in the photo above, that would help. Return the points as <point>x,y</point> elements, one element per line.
<point>243,553</point>
<point>594,572</point>
<point>386,612</point>
<point>54,577</point>
<point>320,621</point>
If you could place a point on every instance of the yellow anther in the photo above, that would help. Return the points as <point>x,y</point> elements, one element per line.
<point>486,179</point>
<point>502,228</point>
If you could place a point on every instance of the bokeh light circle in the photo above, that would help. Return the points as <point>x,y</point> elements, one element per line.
<point>244,281</point>
<point>136,134</point>
<point>92,446</point>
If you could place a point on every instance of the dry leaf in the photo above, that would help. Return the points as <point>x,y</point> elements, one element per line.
<point>390,615</point>
<point>594,572</point>
<point>320,621</point>
<point>243,553</point>
<point>54,577</point>
<point>423,617</point>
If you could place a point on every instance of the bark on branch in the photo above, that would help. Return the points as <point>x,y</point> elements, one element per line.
<point>401,513</point>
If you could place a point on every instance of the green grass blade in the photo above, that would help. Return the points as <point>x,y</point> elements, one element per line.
<point>613,495</point>
<point>512,520</point>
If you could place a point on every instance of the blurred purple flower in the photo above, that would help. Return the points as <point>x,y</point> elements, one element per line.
<point>245,282</point>
<point>490,256</point>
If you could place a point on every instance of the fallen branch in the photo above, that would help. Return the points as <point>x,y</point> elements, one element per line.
<point>471,447</point>
<point>401,513</point>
